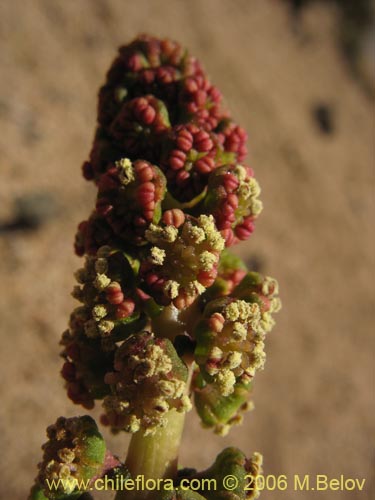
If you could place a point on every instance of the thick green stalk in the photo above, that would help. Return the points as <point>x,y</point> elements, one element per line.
<point>154,456</point>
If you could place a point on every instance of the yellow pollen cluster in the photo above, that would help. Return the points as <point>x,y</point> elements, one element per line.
<point>213,237</point>
<point>171,289</point>
<point>126,171</point>
<point>101,281</point>
<point>157,256</point>
<point>241,310</point>
<point>207,260</point>
<point>157,234</point>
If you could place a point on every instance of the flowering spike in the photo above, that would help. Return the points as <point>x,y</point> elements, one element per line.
<point>172,194</point>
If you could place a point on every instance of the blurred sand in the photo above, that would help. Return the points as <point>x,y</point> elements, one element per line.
<point>315,399</point>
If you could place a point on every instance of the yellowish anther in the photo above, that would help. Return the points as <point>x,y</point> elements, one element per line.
<point>196,234</point>
<point>162,363</point>
<point>105,327</point>
<point>225,381</point>
<point>126,171</point>
<point>275,305</point>
<point>160,405</point>
<point>267,322</point>
<point>254,187</point>
<point>157,234</point>
<point>233,360</point>
<point>248,406</point>
<point>101,282</point>
<point>239,331</point>
<point>241,173</point>
<point>171,289</point>
<point>170,233</point>
<point>256,207</point>
<point>213,236</point>
<point>243,311</point>
<point>195,287</point>
<point>244,190</point>
<point>99,312</point>
<point>207,260</point>
<point>157,256</point>
<point>66,455</point>
<point>64,473</point>
<point>216,354</point>
<point>168,388</point>
<point>222,430</point>
<point>134,424</point>
<point>184,404</point>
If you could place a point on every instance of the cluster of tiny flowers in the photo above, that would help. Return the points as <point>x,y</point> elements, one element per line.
<point>230,339</point>
<point>183,260</point>
<point>159,106</point>
<point>148,380</point>
<point>230,344</point>
<point>75,452</point>
<point>172,193</point>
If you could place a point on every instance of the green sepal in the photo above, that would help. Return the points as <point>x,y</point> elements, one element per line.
<point>250,285</point>
<point>217,411</point>
<point>204,337</point>
<point>126,327</point>
<point>181,495</point>
<point>151,308</point>
<point>37,493</point>
<point>93,444</point>
<point>180,370</point>
<point>170,202</point>
<point>230,262</point>
<point>231,462</point>
<point>162,109</point>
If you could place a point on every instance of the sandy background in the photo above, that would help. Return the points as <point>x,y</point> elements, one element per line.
<point>315,399</point>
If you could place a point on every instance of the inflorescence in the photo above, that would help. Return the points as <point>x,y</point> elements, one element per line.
<point>174,192</point>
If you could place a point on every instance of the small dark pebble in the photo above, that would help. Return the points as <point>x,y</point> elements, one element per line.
<point>31,211</point>
<point>323,117</point>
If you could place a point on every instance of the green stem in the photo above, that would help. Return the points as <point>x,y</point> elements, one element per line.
<point>154,456</point>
